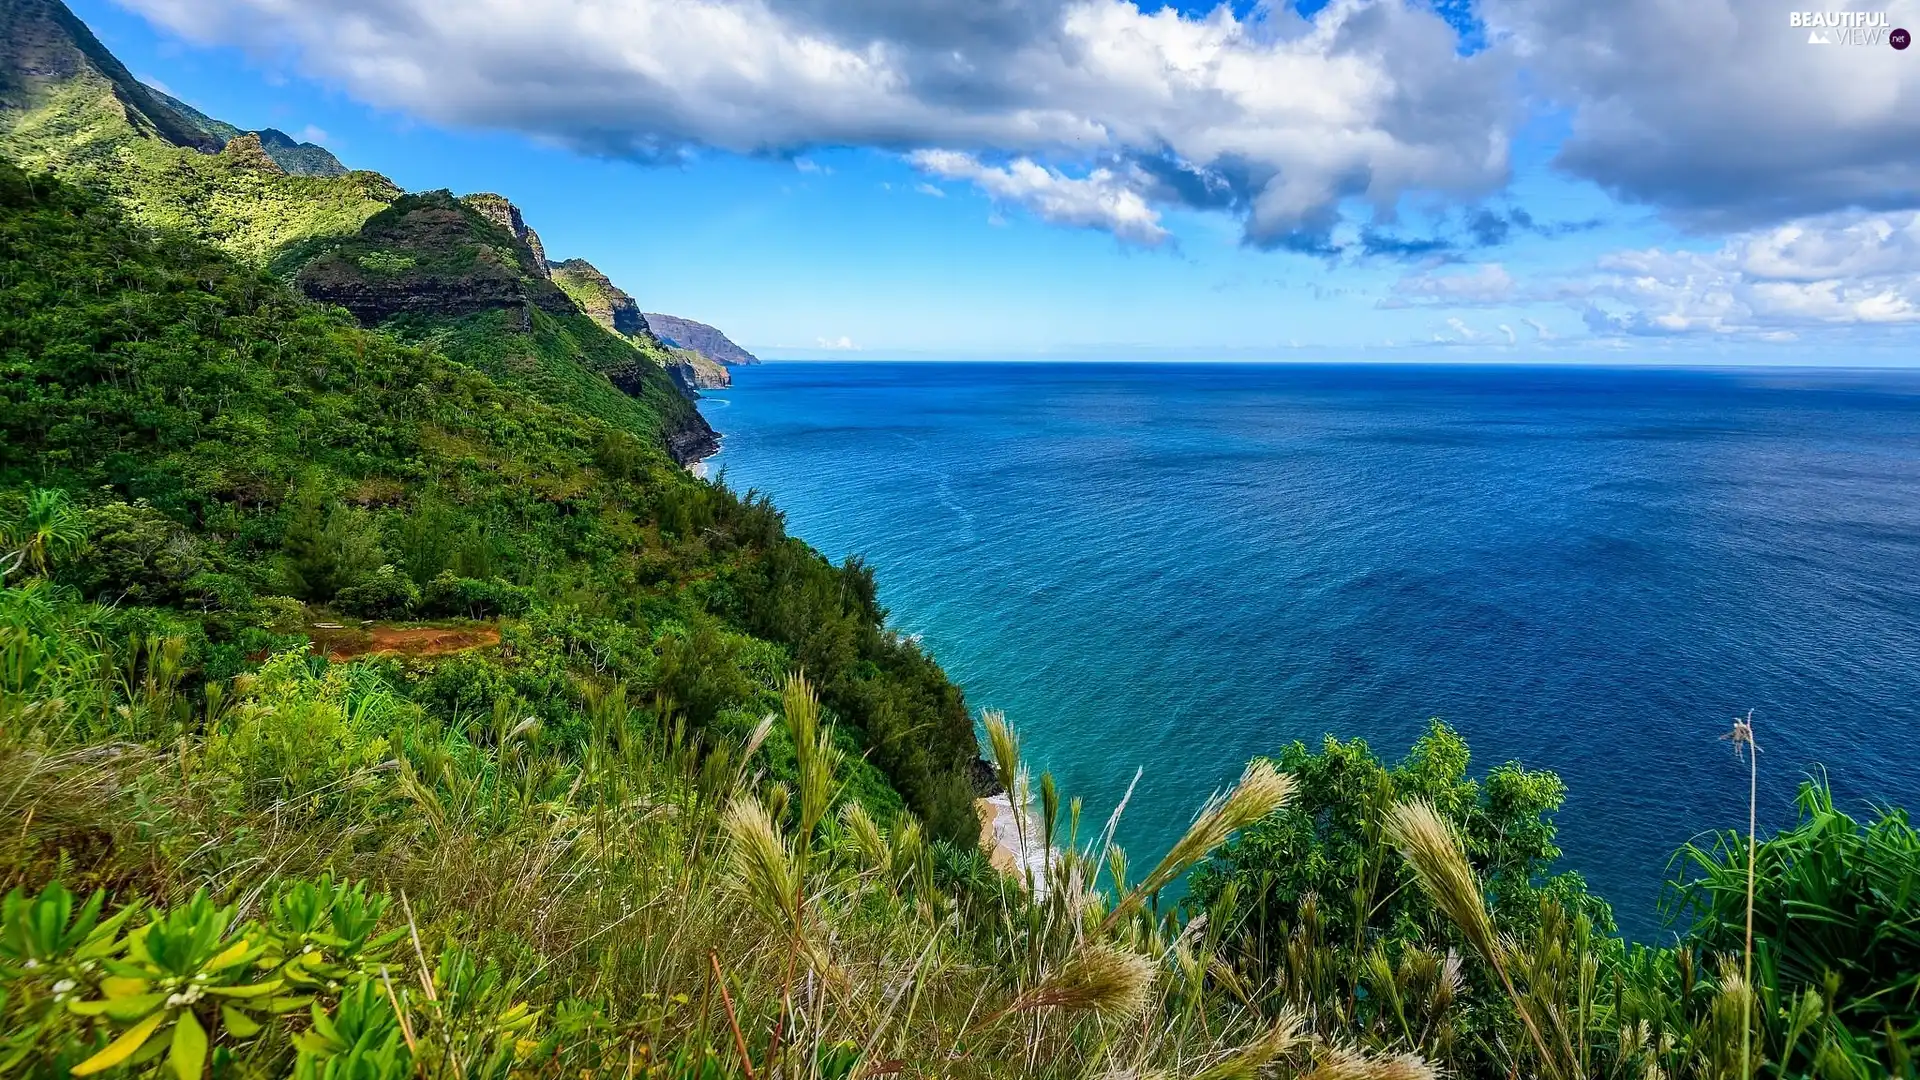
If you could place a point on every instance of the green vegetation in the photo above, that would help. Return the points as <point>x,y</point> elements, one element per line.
<point>435,271</point>
<point>378,699</point>
<point>67,104</point>
<point>1411,909</point>
<point>223,199</point>
<point>226,442</point>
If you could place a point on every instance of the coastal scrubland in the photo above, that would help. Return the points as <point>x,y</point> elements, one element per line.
<point>380,697</point>
<point>667,798</point>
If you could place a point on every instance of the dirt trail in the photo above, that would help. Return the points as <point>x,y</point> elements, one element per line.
<point>346,643</point>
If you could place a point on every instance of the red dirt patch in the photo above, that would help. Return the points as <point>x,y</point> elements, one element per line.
<point>346,644</point>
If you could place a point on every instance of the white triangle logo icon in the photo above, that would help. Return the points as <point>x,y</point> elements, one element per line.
<point>1817,38</point>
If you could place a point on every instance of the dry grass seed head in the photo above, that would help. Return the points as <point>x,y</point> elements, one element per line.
<point>760,861</point>
<point>1107,980</point>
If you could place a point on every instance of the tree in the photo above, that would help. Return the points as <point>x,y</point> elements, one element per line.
<point>47,527</point>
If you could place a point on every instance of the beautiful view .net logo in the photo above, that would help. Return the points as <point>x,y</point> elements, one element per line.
<point>1850,28</point>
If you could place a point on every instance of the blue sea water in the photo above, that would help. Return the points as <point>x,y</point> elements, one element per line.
<point>1177,567</point>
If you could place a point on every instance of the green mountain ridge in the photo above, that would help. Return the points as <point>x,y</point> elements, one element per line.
<point>294,157</point>
<point>46,54</point>
<point>614,309</point>
<point>67,104</point>
<point>43,47</point>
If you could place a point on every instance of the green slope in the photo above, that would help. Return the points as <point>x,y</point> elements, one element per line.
<point>443,272</point>
<point>67,104</point>
<point>301,454</point>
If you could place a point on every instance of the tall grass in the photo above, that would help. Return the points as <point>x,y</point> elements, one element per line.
<point>655,897</point>
<point>666,904</point>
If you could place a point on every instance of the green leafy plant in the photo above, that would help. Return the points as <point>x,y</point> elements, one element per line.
<point>189,970</point>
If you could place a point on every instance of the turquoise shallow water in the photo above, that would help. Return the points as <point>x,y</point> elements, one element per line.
<point>1176,567</point>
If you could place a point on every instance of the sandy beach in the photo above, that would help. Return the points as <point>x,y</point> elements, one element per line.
<point>1000,837</point>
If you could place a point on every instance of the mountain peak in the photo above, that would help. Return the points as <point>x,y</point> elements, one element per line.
<point>50,60</point>
<point>430,254</point>
<point>500,211</point>
<point>45,49</point>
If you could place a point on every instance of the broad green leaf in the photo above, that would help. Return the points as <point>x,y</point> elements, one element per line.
<point>189,1054</point>
<point>253,991</point>
<point>237,1023</point>
<point>119,986</point>
<point>234,954</point>
<point>127,1008</point>
<point>121,1048</point>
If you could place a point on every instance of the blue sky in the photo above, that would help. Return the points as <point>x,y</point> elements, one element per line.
<point>1328,168</point>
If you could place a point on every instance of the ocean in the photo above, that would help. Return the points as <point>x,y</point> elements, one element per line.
<point>1173,568</point>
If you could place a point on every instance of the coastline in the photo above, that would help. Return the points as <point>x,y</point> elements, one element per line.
<point>698,465</point>
<point>1000,837</point>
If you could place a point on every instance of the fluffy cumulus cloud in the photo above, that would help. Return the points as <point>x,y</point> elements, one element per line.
<point>1084,111</point>
<point>1319,133</point>
<point>1845,271</point>
<point>1103,199</point>
<point>1720,112</point>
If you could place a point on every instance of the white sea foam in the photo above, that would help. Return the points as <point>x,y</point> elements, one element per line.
<point>1030,856</point>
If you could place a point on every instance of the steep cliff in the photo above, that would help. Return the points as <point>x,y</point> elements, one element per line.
<point>463,275</point>
<point>431,254</point>
<point>46,54</point>
<point>611,307</point>
<point>602,300</point>
<point>497,209</point>
<point>67,104</point>
<point>701,338</point>
<point>693,372</point>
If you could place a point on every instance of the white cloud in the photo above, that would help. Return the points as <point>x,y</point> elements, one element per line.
<point>808,165</point>
<point>1486,284</point>
<point>1458,333</point>
<point>930,190</point>
<point>312,134</point>
<point>1272,117</point>
<point>841,343</point>
<point>1849,270</point>
<point>1540,330</point>
<point>1103,199</point>
<point>1718,111</point>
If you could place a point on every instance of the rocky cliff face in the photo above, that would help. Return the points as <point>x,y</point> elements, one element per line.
<point>693,372</point>
<point>497,209</point>
<point>701,338</point>
<point>45,50</point>
<point>431,254</point>
<point>602,300</point>
<point>692,442</point>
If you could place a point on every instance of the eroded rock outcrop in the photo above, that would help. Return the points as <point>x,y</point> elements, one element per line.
<point>246,151</point>
<point>693,372</point>
<point>497,209</point>
<point>431,254</point>
<point>602,300</point>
